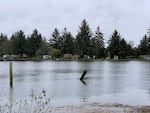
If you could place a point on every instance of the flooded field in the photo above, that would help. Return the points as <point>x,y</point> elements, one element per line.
<point>105,82</point>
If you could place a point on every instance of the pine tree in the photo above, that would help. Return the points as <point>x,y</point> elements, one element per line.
<point>114,44</point>
<point>118,46</point>
<point>56,39</point>
<point>18,40</point>
<point>98,43</point>
<point>68,42</point>
<point>34,42</point>
<point>144,46</point>
<point>83,39</point>
<point>3,44</point>
<point>125,49</point>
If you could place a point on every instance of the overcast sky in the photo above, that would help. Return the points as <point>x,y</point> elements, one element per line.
<point>130,17</point>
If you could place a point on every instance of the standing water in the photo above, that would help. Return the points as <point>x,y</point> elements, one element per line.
<point>105,82</point>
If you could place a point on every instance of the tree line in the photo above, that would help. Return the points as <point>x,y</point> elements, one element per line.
<point>60,43</point>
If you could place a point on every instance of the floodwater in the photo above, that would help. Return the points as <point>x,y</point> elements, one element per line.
<point>105,82</point>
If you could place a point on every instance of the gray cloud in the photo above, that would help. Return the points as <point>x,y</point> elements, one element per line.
<point>129,17</point>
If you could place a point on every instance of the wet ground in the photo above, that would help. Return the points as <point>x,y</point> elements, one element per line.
<point>101,108</point>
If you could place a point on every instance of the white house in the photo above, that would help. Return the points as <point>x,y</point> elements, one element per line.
<point>47,57</point>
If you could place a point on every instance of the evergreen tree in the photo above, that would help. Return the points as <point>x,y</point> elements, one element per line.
<point>114,44</point>
<point>3,39</point>
<point>125,49</point>
<point>135,52</point>
<point>144,46</point>
<point>34,42</point>
<point>56,40</point>
<point>18,42</point>
<point>98,43</point>
<point>83,39</point>
<point>43,50</point>
<point>67,44</point>
<point>118,46</point>
<point>5,45</point>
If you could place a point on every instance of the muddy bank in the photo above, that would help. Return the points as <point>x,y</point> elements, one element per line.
<point>101,108</point>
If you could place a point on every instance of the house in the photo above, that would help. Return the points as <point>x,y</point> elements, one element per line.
<point>6,56</point>
<point>68,56</point>
<point>47,57</point>
<point>10,57</point>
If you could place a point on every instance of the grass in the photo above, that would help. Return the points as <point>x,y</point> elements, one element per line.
<point>36,104</point>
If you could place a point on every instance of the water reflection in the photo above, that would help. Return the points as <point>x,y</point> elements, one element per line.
<point>84,93</point>
<point>84,82</point>
<point>117,76</point>
<point>11,94</point>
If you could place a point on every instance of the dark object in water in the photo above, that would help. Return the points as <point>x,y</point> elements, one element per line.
<point>83,82</point>
<point>83,75</point>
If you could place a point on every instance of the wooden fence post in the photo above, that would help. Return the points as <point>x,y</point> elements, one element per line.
<point>11,73</point>
<point>83,75</point>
